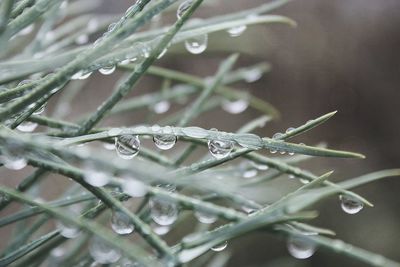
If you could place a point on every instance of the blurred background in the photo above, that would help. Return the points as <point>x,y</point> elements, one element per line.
<point>342,56</point>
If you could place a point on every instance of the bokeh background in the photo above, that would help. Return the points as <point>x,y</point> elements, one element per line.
<point>342,56</point>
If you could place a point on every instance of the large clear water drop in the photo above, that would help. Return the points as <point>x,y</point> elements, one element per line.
<point>121,223</point>
<point>183,8</point>
<point>163,212</point>
<point>220,148</point>
<point>350,204</point>
<point>127,146</point>
<point>300,248</point>
<point>165,141</point>
<point>197,44</point>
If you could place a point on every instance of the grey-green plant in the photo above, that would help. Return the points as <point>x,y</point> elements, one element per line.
<point>48,51</point>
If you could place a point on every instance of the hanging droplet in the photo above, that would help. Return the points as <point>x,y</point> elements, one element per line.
<point>81,75</point>
<point>121,223</point>
<point>160,229</point>
<point>237,31</point>
<point>197,44</point>
<point>27,126</point>
<point>134,188</point>
<point>350,204</point>
<point>40,110</point>
<point>290,130</point>
<point>304,181</point>
<point>13,162</point>
<point>111,27</point>
<point>247,170</point>
<point>253,75</point>
<point>235,107</point>
<point>139,52</point>
<point>95,177</point>
<point>67,230</point>
<point>165,142</point>
<point>300,248</point>
<point>277,136</point>
<point>163,212</point>
<point>205,217</point>
<point>220,148</point>
<point>220,247</point>
<point>101,252</point>
<point>183,8</point>
<point>107,70</point>
<point>127,146</point>
<point>161,107</point>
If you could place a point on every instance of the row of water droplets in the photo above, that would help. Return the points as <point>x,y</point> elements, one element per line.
<point>198,44</point>
<point>140,51</point>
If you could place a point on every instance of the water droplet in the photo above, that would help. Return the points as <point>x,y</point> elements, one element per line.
<point>197,44</point>
<point>40,110</point>
<point>350,204</point>
<point>67,230</point>
<point>95,177</point>
<point>304,181</point>
<point>165,142</point>
<point>290,130</point>
<point>273,150</point>
<point>13,162</point>
<point>111,27</point>
<point>81,75</point>
<point>260,167</point>
<point>160,229</point>
<point>161,107</point>
<point>277,136</point>
<point>27,126</point>
<point>121,223</point>
<point>235,107</point>
<point>205,217</point>
<point>163,212</point>
<point>82,39</point>
<point>101,252</point>
<point>220,148</point>
<point>107,70</point>
<point>127,146</point>
<point>220,247</point>
<point>300,248</point>
<point>253,75</point>
<point>291,176</point>
<point>237,31</point>
<point>183,8</point>
<point>134,188</point>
